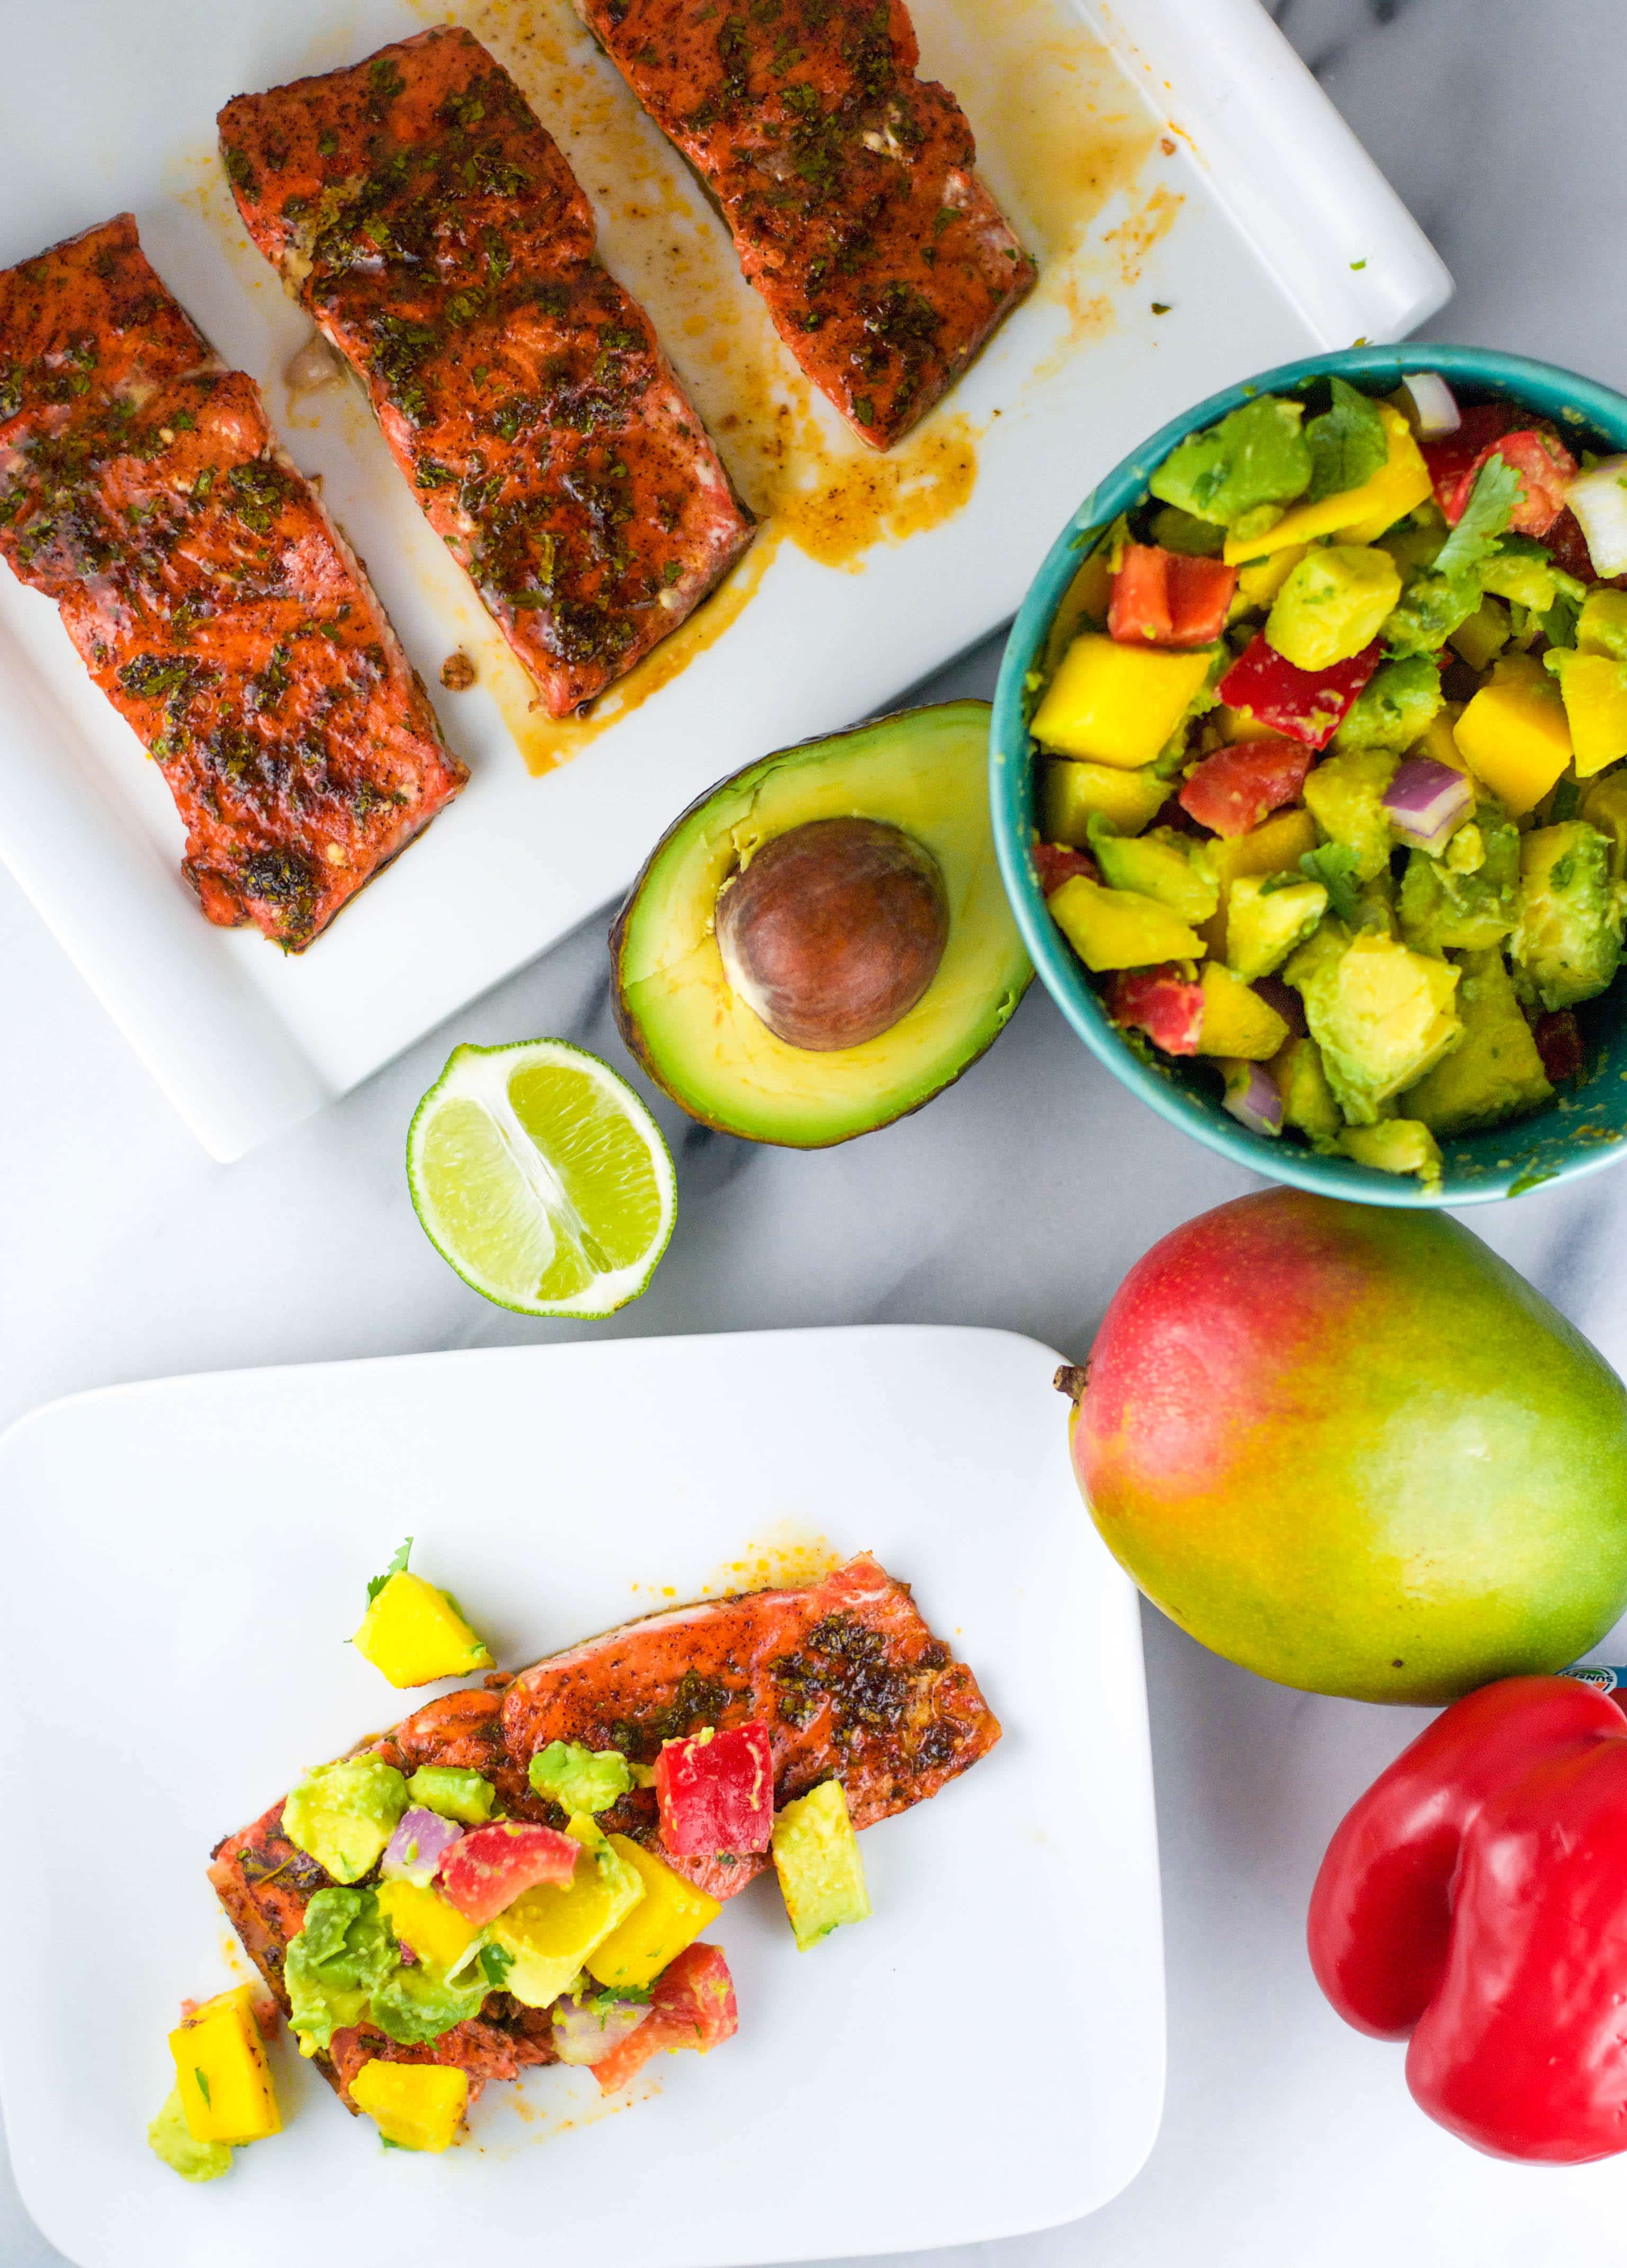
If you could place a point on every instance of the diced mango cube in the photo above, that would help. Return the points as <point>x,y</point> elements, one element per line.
<point>672,1914</point>
<point>1513,733</point>
<point>413,1633</point>
<point>549,1932</point>
<point>816,1856</point>
<point>1275,847</point>
<point>1395,1145</point>
<point>417,2106</point>
<point>431,1924</point>
<point>1602,627</point>
<point>1483,637</point>
<point>227,2094</point>
<point>1236,1021</point>
<point>1072,793</point>
<point>1359,515</point>
<point>1117,704</point>
<point>1120,929</point>
<point>1439,740</point>
<point>1594,687</point>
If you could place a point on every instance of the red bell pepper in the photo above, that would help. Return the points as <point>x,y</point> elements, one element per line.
<point>1162,1002</point>
<point>1559,1043</point>
<point>1233,790</point>
<point>692,2006</point>
<point>1054,864</point>
<point>487,1869</point>
<point>1567,548</point>
<point>1476,1899</point>
<point>716,1792</point>
<point>1165,598</point>
<point>1453,462</point>
<point>1308,705</point>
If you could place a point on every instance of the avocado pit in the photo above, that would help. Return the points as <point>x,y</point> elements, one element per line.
<point>833,932</point>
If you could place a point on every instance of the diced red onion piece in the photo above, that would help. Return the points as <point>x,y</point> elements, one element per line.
<point>417,1846</point>
<point>1600,502</point>
<point>1252,1098</point>
<point>584,2033</point>
<point>1426,802</point>
<point>1435,411</point>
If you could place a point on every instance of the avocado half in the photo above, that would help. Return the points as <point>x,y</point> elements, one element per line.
<point>924,771</point>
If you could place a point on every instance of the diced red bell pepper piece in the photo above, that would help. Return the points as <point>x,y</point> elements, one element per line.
<point>1055,863</point>
<point>1451,461</point>
<point>691,2005</point>
<point>1233,790</point>
<point>1559,1043</point>
<point>487,1869</point>
<point>1308,705</point>
<point>716,1791</point>
<point>1162,1002</point>
<point>1475,1897</point>
<point>1166,598</point>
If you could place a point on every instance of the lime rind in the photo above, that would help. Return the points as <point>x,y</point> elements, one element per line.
<point>496,1206</point>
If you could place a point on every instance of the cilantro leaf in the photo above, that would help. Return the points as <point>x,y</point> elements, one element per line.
<point>495,1964</point>
<point>1333,866</point>
<point>1494,504</point>
<point>397,1566</point>
<point>1348,443</point>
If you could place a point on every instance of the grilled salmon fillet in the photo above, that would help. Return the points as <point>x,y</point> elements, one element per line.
<point>208,592</point>
<point>416,208</point>
<point>846,182</point>
<point>845,1672</point>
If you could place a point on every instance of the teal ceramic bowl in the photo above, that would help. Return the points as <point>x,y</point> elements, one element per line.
<point>1584,1127</point>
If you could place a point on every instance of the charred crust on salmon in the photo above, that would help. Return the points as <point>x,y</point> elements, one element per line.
<point>416,207</point>
<point>210,597</point>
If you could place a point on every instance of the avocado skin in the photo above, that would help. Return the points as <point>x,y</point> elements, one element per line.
<point>714,1112</point>
<point>1351,1449</point>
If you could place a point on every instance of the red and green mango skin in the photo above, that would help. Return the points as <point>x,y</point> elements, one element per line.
<point>1350,1448</point>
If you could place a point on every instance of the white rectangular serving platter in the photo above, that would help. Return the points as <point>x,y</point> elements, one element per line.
<point>184,1561</point>
<point>1255,220</point>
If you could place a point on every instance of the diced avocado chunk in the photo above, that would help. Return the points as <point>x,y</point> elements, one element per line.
<point>1182,531</point>
<point>816,1856</point>
<point>577,1778</point>
<point>1307,1099</point>
<point>343,1814</point>
<point>1267,916</point>
<point>342,1954</point>
<point>1345,795</point>
<point>1380,1014</point>
<point>1567,938</point>
<point>1174,869</point>
<point>169,2138</point>
<point>1495,1072</point>
<point>1394,708</point>
<point>1399,1145</point>
<point>1333,605</point>
<point>1601,627</point>
<point>1467,899</point>
<point>1255,457</point>
<point>1481,637</point>
<point>1594,687</point>
<point>454,1792</point>
<point>1524,572</point>
<point>1605,806</point>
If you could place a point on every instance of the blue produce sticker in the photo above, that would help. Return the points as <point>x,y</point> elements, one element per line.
<point>1597,1673</point>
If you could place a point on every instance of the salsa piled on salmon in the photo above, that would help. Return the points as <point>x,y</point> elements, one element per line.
<point>416,209</point>
<point>520,1873</point>
<point>847,181</point>
<point>208,592</point>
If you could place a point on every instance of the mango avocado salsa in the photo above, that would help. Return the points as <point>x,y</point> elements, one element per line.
<point>1332,788</point>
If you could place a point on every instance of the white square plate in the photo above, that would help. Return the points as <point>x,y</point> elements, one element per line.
<point>1156,153</point>
<point>183,1562</point>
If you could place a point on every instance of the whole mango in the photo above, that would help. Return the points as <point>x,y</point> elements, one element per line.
<point>1350,1448</point>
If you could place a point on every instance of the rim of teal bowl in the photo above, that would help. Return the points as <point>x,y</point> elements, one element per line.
<point>1580,1132</point>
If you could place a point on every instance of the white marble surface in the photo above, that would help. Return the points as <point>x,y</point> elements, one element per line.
<point>1018,1199</point>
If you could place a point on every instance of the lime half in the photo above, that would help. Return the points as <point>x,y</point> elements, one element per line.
<point>541,1178</point>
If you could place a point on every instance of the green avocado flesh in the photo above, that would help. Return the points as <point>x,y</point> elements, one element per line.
<point>926,772</point>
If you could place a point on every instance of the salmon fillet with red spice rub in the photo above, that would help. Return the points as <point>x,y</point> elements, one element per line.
<point>208,592</point>
<point>416,208</point>
<point>845,1672</point>
<point>847,181</point>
